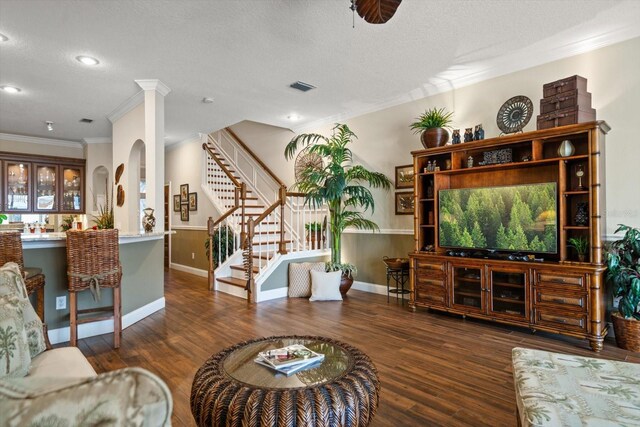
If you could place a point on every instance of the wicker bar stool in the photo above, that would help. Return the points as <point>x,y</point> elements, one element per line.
<point>93,263</point>
<point>11,251</point>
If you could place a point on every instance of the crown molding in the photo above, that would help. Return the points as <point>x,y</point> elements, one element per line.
<point>126,106</point>
<point>41,141</point>
<point>98,140</point>
<point>154,84</point>
<point>466,74</point>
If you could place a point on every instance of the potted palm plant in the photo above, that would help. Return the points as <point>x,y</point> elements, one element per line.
<point>623,262</point>
<point>339,184</point>
<point>433,125</point>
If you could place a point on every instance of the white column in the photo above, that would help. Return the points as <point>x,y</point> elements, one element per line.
<point>154,93</point>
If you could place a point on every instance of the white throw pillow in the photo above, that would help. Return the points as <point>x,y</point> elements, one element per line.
<point>325,286</point>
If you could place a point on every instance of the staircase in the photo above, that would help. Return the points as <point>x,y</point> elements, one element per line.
<point>260,221</point>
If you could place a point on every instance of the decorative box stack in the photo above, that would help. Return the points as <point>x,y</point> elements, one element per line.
<point>565,102</point>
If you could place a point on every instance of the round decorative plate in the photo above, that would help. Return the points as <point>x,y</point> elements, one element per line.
<point>306,159</point>
<point>515,114</point>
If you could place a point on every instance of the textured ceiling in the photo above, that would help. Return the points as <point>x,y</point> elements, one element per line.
<point>246,53</point>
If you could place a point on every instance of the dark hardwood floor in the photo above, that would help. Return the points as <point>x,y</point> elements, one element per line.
<point>435,369</point>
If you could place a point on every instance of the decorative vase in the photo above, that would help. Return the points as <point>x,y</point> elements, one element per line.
<point>566,149</point>
<point>627,332</point>
<point>148,221</point>
<point>582,214</point>
<point>345,284</point>
<point>435,137</point>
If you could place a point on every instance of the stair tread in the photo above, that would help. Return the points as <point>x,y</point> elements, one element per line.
<point>264,255</point>
<point>233,281</point>
<point>240,267</point>
<point>269,242</point>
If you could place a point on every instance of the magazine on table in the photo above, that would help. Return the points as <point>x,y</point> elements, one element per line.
<point>290,370</point>
<point>290,355</point>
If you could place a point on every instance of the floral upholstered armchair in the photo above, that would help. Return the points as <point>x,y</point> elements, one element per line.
<point>44,387</point>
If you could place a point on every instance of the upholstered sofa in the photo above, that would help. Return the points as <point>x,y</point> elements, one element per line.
<point>561,390</point>
<point>40,386</point>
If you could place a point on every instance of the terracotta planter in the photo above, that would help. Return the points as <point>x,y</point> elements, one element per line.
<point>436,137</point>
<point>345,285</point>
<point>627,332</point>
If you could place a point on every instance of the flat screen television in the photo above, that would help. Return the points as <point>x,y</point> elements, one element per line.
<point>516,218</point>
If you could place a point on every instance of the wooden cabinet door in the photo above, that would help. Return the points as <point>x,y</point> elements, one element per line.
<point>17,186</point>
<point>467,287</point>
<point>508,292</point>
<point>45,198</point>
<point>72,189</point>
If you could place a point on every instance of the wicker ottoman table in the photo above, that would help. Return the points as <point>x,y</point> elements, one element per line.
<point>230,389</point>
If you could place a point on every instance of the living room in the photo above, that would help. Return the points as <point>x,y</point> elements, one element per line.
<point>434,368</point>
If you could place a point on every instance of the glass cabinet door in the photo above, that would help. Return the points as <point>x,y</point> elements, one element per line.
<point>17,179</point>
<point>508,292</point>
<point>72,179</point>
<point>46,186</point>
<point>467,287</point>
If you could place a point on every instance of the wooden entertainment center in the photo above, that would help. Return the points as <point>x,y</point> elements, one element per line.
<point>550,292</point>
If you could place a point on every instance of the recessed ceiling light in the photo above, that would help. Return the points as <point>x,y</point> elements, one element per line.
<point>3,38</point>
<point>10,89</point>
<point>87,60</point>
<point>207,100</point>
<point>293,117</point>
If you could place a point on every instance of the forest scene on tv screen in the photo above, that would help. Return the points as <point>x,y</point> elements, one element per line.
<point>514,218</point>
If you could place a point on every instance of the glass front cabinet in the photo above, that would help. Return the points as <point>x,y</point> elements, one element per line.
<point>41,184</point>
<point>490,290</point>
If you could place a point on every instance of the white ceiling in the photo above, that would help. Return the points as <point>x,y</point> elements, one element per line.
<point>246,53</point>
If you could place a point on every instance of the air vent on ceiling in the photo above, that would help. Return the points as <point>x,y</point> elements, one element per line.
<point>86,120</point>
<point>304,87</point>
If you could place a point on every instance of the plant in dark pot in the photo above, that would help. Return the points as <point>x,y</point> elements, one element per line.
<point>315,234</point>
<point>581,245</point>
<point>338,184</point>
<point>433,125</point>
<point>623,262</point>
<point>223,245</point>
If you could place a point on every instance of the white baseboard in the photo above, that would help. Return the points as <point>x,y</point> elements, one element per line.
<point>187,269</point>
<point>106,326</point>
<point>273,294</point>
<point>369,287</point>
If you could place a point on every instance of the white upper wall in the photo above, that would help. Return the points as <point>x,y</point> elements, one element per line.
<point>41,146</point>
<point>183,165</point>
<point>385,140</point>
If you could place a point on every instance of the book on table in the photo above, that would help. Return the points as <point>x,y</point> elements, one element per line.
<point>289,359</point>
<point>290,370</point>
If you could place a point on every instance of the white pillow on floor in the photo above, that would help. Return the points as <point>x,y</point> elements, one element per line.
<point>325,286</point>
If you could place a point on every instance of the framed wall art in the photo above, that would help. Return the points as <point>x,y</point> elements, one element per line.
<point>193,201</point>
<point>184,193</point>
<point>404,203</point>
<point>176,203</point>
<point>184,212</point>
<point>404,176</point>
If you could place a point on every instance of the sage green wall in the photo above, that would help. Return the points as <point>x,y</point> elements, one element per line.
<point>366,252</point>
<point>280,277</point>
<point>187,242</point>
<point>142,279</point>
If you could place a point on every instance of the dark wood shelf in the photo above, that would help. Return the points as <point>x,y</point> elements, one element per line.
<point>427,225</point>
<point>426,200</point>
<point>509,285</point>
<point>466,279</point>
<point>576,192</point>
<point>509,300</point>
<point>467,294</point>
<point>575,227</point>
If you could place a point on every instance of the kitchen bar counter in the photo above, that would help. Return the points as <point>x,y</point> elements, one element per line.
<point>142,259</point>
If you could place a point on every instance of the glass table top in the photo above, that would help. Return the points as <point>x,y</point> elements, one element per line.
<point>240,364</point>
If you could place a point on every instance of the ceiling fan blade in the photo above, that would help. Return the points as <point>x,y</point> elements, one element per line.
<point>377,11</point>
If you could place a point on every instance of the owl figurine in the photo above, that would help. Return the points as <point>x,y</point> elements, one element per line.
<point>455,139</point>
<point>468,135</point>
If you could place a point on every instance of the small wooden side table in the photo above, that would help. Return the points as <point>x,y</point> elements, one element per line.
<point>400,276</point>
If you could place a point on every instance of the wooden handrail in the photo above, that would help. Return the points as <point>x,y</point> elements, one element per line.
<point>266,213</point>
<point>256,158</point>
<point>223,167</point>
